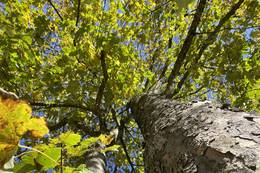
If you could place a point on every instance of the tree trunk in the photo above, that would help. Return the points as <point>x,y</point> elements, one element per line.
<point>196,137</point>
<point>95,161</point>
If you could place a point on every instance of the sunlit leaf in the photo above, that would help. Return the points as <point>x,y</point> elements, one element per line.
<point>70,138</point>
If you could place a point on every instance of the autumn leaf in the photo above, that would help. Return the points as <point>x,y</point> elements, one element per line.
<point>15,116</point>
<point>106,139</point>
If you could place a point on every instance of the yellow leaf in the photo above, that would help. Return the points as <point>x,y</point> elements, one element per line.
<point>106,139</point>
<point>15,121</point>
<point>38,127</point>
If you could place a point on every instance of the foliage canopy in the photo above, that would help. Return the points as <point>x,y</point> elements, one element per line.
<point>78,63</point>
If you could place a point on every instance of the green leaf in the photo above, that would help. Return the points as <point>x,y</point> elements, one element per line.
<point>27,164</point>
<point>67,169</point>
<point>70,138</point>
<point>46,162</point>
<point>23,168</point>
<point>89,141</point>
<point>82,169</point>
<point>111,148</point>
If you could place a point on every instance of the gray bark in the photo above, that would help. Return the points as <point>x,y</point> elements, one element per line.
<point>197,137</point>
<point>95,161</point>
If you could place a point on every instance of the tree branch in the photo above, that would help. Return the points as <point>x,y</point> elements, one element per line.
<point>167,62</point>
<point>56,10</point>
<point>150,68</point>
<point>158,7</point>
<point>209,32</point>
<point>197,91</point>
<point>210,39</point>
<point>78,13</point>
<point>164,69</point>
<point>77,22</point>
<point>186,45</point>
<point>104,80</point>
<point>122,125</point>
<point>63,105</point>
<point>6,95</point>
<point>78,124</point>
<point>180,84</point>
<point>190,94</point>
<point>101,89</point>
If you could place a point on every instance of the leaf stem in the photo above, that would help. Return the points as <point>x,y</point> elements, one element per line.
<point>35,150</point>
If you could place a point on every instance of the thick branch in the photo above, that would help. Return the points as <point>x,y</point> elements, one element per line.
<point>186,45</point>
<point>59,125</point>
<point>78,13</point>
<point>210,40</point>
<point>56,10</point>
<point>212,36</point>
<point>104,80</point>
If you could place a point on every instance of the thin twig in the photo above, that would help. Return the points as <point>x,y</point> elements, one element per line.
<point>61,158</point>
<point>97,111</point>
<point>165,66</point>
<point>78,124</point>
<point>125,150</point>
<point>158,7</point>
<point>198,90</point>
<point>209,32</point>
<point>192,93</point>
<point>180,84</point>
<point>151,69</point>
<point>167,63</point>
<point>121,127</point>
<point>62,105</point>
<point>56,10</point>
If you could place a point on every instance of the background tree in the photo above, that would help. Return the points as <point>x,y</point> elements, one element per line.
<point>79,63</point>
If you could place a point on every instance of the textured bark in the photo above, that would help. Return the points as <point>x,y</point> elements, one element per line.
<point>95,161</point>
<point>198,137</point>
